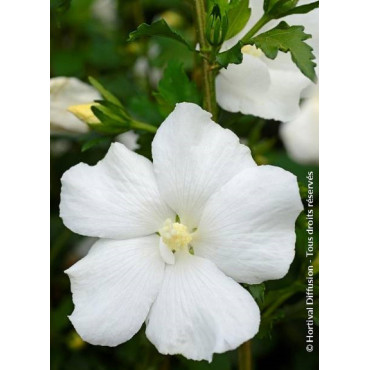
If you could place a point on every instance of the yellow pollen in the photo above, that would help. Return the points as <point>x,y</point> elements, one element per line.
<point>175,235</point>
<point>251,50</point>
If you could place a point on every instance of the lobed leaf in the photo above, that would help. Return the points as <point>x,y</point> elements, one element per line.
<point>234,55</point>
<point>288,39</point>
<point>169,92</point>
<point>158,28</point>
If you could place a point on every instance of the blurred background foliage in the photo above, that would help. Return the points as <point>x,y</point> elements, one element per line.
<point>88,38</point>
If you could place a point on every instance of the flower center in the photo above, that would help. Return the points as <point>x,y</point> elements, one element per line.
<point>175,235</point>
<point>251,50</point>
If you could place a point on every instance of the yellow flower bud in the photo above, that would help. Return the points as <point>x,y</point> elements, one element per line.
<point>84,113</point>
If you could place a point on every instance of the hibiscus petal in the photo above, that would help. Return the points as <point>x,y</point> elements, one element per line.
<point>301,136</point>
<point>247,228</point>
<point>116,199</point>
<point>166,254</point>
<point>200,311</point>
<point>278,100</point>
<point>113,288</point>
<point>193,157</point>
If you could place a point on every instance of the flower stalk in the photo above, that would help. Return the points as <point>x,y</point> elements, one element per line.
<point>261,22</point>
<point>208,73</point>
<point>245,356</point>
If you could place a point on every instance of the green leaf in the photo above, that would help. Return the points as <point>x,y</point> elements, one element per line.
<point>288,39</point>
<point>238,17</point>
<point>175,87</point>
<point>276,8</point>
<point>303,9</point>
<point>233,55</point>
<point>104,92</point>
<point>267,324</point>
<point>113,110</point>
<point>158,28</point>
<point>94,142</point>
<point>258,292</point>
<point>110,124</point>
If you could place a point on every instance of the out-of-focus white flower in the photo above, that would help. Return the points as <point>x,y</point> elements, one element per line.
<point>64,92</point>
<point>142,69</point>
<point>59,147</point>
<point>176,237</point>
<point>106,11</point>
<point>129,139</point>
<point>266,88</point>
<point>301,135</point>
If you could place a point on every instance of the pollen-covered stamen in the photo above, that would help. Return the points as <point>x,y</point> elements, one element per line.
<point>175,235</point>
<point>251,50</point>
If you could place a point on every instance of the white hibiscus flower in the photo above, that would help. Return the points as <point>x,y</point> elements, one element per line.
<point>301,135</point>
<point>64,92</point>
<point>266,88</point>
<point>176,237</point>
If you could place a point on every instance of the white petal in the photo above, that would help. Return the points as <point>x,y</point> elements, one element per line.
<point>310,21</point>
<point>166,254</point>
<point>113,288</point>
<point>279,100</point>
<point>247,228</point>
<point>193,157</point>
<point>239,82</point>
<point>117,199</point>
<point>200,311</point>
<point>64,92</point>
<point>301,136</point>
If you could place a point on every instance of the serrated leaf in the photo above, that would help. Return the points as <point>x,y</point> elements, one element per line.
<point>158,28</point>
<point>232,56</point>
<point>238,17</point>
<point>175,87</point>
<point>288,39</point>
<point>104,92</point>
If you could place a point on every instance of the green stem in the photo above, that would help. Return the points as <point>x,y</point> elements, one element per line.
<point>277,304</point>
<point>143,126</point>
<point>208,74</point>
<point>263,20</point>
<point>245,356</point>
